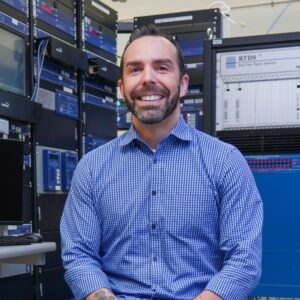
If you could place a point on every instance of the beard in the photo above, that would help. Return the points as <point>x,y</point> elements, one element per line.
<point>151,114</point>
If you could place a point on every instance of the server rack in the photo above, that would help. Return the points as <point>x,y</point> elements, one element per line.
<point>99,24</point>
<point>56,18</point>
<point>53,116</point>
<point>55,32</point>
<point>251,100</point>
<point>18,125</point>
<point>99,29</point>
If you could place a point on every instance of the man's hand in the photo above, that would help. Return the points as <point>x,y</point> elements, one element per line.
<point>102,294</point>
<point>207,295</point>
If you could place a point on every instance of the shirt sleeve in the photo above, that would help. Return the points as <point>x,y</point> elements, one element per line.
<point>81,236</point>
<point>240,217</point>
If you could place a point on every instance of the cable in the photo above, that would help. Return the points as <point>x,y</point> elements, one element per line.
<point>33,97</point>
<point>279,16</point>
<point>40,62</point>
<point>225,8</point>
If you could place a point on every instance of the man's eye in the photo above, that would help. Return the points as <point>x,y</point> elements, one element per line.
<point>134,69</point>
<point>163,68</point>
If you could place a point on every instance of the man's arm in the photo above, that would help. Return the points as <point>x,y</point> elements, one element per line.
<point>81,232</point>
<point>240,224</point>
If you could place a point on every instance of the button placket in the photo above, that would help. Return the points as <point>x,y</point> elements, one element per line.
<point>155,237</point>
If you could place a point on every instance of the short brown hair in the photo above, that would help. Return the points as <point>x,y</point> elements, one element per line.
<point>152,30</point>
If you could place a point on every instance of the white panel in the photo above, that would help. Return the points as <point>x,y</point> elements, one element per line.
<point>258,89</point>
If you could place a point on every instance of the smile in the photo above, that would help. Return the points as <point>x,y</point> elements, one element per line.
<point>150,97</point>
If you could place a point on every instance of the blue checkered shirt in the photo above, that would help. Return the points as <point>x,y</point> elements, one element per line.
<point>163,224</point>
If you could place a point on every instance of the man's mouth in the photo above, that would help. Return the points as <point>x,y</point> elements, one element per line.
<point>150,93</point>
<point>150,97</point>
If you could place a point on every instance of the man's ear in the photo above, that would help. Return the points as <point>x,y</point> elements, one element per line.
<point>121,87</point>
<point>184,84</point>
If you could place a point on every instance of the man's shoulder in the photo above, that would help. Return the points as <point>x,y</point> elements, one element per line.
<point>214,154</point>
<point>209,143</point>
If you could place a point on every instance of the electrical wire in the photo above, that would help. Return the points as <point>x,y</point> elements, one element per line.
<point>224,9</point>
<point>40,62</point>
<point>280,15</point>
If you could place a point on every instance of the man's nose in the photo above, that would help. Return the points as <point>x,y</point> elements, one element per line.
<point>148,75</point>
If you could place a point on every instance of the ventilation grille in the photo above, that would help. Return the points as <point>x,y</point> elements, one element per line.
<point>282,143</point>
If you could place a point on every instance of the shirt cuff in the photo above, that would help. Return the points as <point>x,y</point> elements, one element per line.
<point>226,288</point>
<point>84,285</point>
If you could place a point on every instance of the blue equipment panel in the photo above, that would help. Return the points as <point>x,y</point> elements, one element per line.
<point>13,23</point>
<point>19,128</point>
<point>193,117</point>
<point>192,107</point>
<point>27,160</point>
<point>19,131</point>
<point>66,105</point>
<point>68,165</point>
<point>20,5</point>
<point>100,93</point>
<point>92,33</point>
<point>52,170</point>
<point>57,15</point>
<point>99,37</point>
<point>123,115</point>
<point>191,43</point>
<point>109,42</point>
<point>59,76</point>
<point>105,101</point>
<point>100,85</point>
<point>91,143</point>
<point>277,178</point>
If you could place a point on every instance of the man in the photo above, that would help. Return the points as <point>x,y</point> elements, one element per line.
<point>164,211</point>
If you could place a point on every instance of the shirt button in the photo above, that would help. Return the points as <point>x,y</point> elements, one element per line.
<point>154,258</point>
<point>153,226</point>
<point>153,193</point>
<point>155,160</point>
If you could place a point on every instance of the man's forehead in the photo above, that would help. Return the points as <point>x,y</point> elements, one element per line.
<point>150,43</point>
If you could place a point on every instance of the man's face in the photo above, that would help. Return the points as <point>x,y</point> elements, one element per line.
<point>151,82</point>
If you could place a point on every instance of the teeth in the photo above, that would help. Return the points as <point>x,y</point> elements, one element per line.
<point>151,97</point>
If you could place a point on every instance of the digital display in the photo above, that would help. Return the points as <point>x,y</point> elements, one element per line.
<point>12,62</point>
<point>53,156</point>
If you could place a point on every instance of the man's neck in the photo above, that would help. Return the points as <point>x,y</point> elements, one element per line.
<point>152,134</point>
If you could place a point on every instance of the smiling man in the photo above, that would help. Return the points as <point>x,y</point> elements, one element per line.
<point>164,211</point>
<point>153,81</point>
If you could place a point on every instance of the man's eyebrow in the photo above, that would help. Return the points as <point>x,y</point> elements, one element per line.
<point>163,61</point>
<point>156,61</point>
<point>133,63</point>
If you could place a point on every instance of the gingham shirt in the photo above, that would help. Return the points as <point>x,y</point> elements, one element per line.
<point>164,224</point>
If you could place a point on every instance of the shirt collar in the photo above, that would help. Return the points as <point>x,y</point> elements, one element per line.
<point>181,131</point>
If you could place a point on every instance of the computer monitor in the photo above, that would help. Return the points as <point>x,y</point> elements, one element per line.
<point>11,182</point>
<point>12,63</point>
